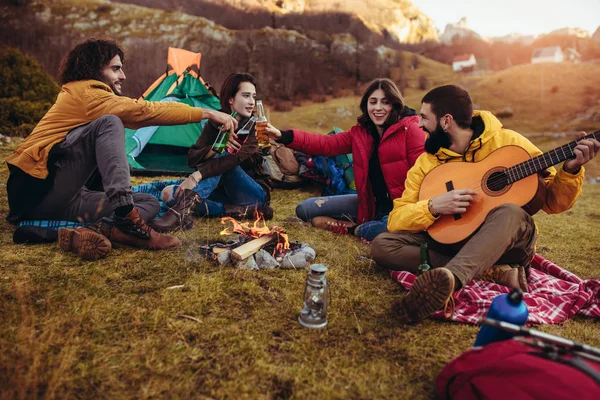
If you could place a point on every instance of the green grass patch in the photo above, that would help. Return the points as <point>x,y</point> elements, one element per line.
<point>112,329</point>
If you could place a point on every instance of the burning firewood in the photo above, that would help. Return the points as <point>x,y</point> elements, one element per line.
<point>246,250</point>
<point>262,234</point>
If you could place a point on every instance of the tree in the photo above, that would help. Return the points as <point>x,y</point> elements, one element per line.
<point>27,93</point>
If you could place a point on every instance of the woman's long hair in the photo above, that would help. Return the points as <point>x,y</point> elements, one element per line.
<point>393,96</point>
<point>88,59</point>
<point>230,87</point>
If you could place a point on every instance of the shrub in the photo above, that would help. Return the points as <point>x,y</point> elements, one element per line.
<point>414,62</point>
<point>318,98</point>
<point>423,82</point>
<point>26,95</point>
<point>283,105</point>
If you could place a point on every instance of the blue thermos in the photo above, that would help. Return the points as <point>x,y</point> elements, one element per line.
<point>505,307</point>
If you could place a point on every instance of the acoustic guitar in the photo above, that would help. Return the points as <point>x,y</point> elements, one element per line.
<point>507,175</point>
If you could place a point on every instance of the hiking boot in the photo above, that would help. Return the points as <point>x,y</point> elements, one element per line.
<point>334,225</point>
<point>431,292</point>
<point>512,276</point>
<point>178,216</point>
<point>248,212</point>
<point>86,243</point>
<point>132,231</point>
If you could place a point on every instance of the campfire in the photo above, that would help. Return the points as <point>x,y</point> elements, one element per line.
<point>253,245</point>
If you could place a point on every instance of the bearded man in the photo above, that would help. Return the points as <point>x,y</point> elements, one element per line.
<point>73,165</point>
<point>504,245</point>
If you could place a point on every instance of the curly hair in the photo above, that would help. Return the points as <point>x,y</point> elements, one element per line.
<point>86,60</point>
<point>393,96</point>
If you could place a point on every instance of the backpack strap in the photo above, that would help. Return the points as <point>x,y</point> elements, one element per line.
<point>576,362</point>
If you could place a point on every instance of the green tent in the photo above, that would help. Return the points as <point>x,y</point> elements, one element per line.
<point>162,150</point>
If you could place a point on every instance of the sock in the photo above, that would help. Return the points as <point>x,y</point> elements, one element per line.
<point>122,211</point>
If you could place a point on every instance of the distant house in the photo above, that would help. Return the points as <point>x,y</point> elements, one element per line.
<point>548,54</point>
<point>572,55</point>
<point>464,63</point>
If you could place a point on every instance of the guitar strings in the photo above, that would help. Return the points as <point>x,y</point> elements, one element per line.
<point>505,175</point>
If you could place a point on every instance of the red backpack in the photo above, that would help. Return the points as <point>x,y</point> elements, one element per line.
<point>513,370</point>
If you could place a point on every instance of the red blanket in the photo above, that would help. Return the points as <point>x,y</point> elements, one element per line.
<point>555,295</point>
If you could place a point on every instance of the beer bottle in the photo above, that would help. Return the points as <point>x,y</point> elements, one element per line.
<point>222,138</point>
<point>425,262</point>
<point>261,125</point>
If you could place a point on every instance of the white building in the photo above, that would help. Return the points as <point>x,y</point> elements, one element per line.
<point>548,54</point>
<point>464,62</point>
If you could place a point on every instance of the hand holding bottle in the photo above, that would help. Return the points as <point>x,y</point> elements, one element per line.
<point>261,125</point>
<point>228,122</point>
<point>233,146</point>
<point>268,131</point>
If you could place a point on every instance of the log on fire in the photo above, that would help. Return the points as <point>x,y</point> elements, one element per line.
<point>246,250</point>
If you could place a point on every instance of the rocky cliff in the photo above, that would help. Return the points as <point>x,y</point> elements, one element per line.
<point>281,58</point>
<point>457,31</point>
<point>395,20</point>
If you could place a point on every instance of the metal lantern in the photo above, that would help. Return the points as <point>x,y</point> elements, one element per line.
<point>316,296</point>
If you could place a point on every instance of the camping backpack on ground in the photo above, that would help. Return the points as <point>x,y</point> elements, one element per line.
<point>337,172</point>
<point>282,166</point>
<point>510,369</point>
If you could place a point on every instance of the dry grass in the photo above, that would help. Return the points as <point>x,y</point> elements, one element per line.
<point>112,329</point>
<point>543,97</point>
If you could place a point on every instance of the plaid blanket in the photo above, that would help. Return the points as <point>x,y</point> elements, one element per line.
<point>555,295</point>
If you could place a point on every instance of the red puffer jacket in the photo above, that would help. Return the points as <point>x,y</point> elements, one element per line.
<point>400,146</point>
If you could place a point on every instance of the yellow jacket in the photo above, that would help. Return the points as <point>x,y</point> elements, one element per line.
<point>410,214</point>
<point>81,102</point>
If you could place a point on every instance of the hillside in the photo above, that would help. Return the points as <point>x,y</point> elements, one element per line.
<point>540,97</point>
<point>376,21</point>
<point>278,58</point>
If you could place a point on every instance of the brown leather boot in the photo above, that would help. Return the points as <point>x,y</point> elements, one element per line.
<point>334,225</point>
<point>248,212</point>
<point>509,275</point>
<point>178,216</point>
<point>432,291</point>
<point>131,230</point>
<point>85,242</point>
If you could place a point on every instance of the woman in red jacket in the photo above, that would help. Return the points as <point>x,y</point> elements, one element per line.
<point>384,144</point>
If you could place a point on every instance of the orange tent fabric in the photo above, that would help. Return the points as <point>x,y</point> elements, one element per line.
<point>178,61</point>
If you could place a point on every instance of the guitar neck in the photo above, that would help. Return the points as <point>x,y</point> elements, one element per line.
<point>546,160</point>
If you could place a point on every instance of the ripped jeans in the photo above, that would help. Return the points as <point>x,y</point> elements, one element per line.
<point>343,207</point>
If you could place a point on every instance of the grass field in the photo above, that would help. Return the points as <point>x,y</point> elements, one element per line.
<point>113,329</point>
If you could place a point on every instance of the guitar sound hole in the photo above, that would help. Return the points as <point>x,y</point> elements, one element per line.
<point>497,181</point>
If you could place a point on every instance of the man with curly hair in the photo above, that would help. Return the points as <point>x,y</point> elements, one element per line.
<point>73,165</point>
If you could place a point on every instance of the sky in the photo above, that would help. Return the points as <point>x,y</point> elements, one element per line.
<point>501,17</point>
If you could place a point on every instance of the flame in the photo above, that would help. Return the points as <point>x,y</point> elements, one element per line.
<point>259,228</point>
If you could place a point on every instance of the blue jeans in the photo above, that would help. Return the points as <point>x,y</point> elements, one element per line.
<point>343,207</point>
<point>237,188</point>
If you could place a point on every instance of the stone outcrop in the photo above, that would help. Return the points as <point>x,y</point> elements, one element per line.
<point>457,31</point>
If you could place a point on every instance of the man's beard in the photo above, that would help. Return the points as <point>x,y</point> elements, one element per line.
<point>111,85</point>
<point>438,138</point>
<point>115,91</point>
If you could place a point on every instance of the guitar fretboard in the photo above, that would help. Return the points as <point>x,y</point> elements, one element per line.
<point>541,162</point>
